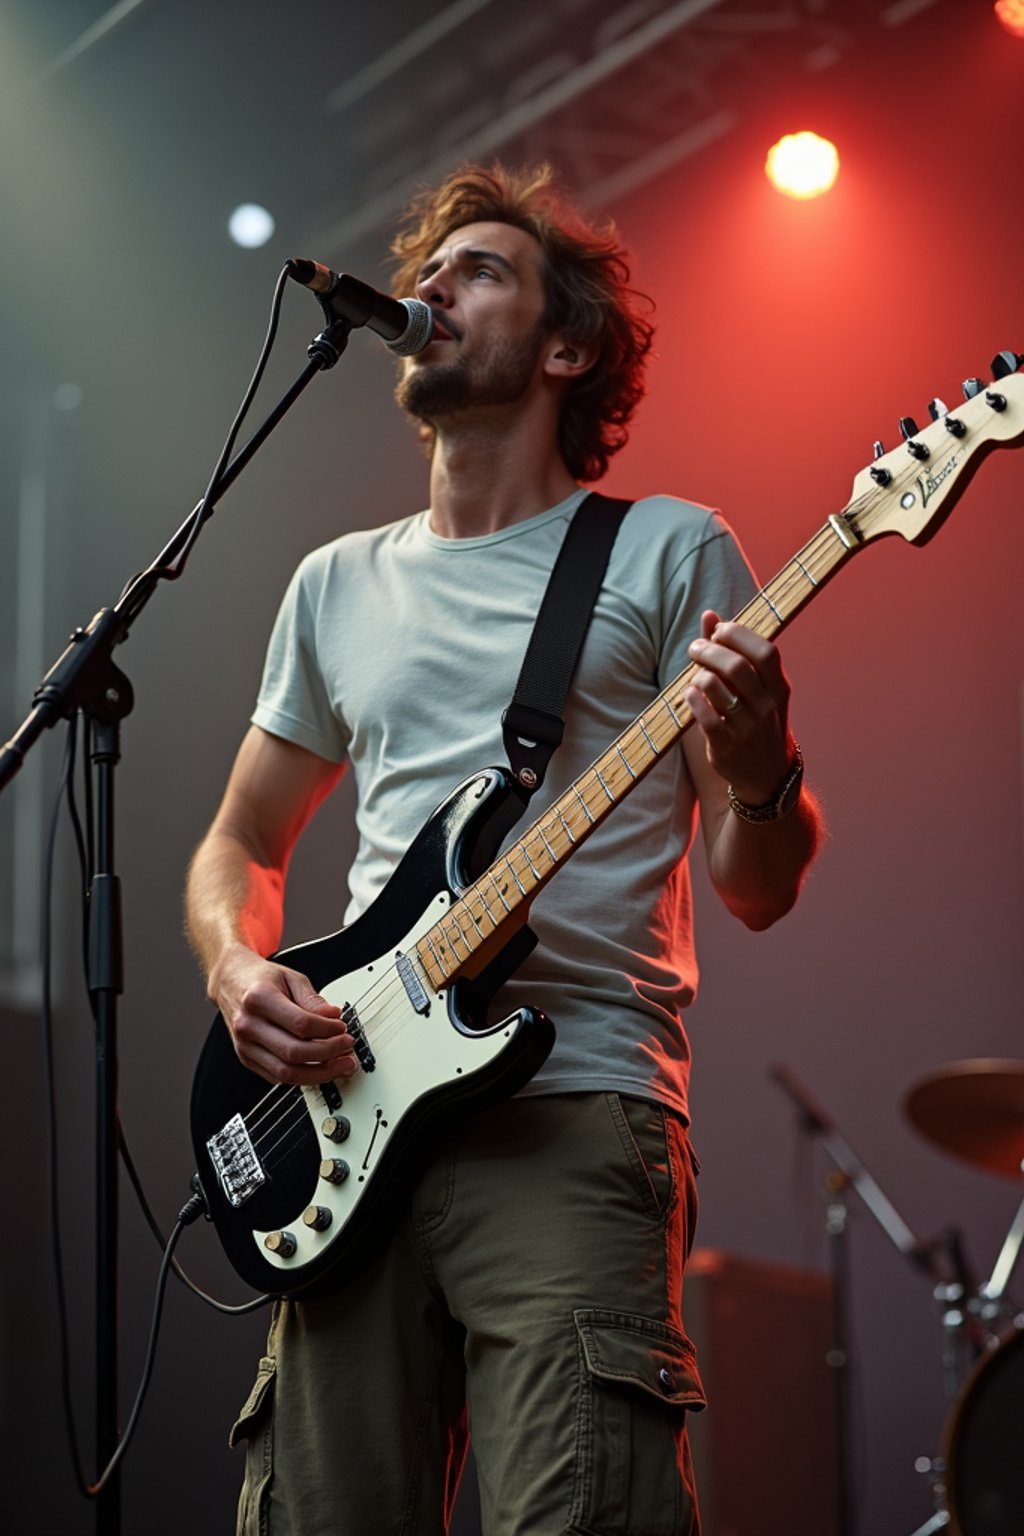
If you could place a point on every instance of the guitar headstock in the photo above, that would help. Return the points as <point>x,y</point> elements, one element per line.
<point>911,490</point>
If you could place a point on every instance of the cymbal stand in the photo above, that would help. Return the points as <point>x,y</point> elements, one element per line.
<point>983,1309</point>
<point>852,1173</point>
<point>993,1291</point>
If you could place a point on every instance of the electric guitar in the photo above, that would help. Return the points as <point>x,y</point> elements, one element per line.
<point>301,1181</point>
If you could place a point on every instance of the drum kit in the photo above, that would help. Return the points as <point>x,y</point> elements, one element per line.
<point>975,1110</point>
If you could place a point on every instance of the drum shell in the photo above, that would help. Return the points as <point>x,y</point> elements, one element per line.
<point>984,1443</point>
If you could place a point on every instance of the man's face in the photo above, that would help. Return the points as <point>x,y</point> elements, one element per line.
<point>485,289</point>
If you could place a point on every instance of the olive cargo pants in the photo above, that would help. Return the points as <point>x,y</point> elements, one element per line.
<point>534,1276</point>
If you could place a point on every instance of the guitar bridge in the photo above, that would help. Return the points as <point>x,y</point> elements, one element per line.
<point>364,1051</point>
<point>238,1169</point>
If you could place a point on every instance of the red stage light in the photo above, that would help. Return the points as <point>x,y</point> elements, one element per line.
<point>1011,14</point>
<point>802,165</point>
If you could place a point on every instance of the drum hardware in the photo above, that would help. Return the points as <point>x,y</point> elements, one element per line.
<point>975,1110</point>
<point>990,1134</point>
<point>852,1174</point>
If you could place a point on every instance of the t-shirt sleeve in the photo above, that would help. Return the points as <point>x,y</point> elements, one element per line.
<point>293,701</point>
<point>713,574</point>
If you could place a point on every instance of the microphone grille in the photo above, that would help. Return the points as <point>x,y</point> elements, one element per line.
<point>417,333</point>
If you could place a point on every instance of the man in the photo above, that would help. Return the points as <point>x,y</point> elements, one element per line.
<point>537,1268</point>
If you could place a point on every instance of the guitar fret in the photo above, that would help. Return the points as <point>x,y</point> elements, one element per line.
<point>426,962</point>
<point>675,717</point>
<point>534,871</point>
<point>626,762</point>
<point>586,808</point>
<point>472,918</point>
<point>647,737</point>
<point>455,936</point>
<point>552,855</point>
<point>442,968</point>
<point>568,829</point>
<point>799,562</point>
<point>604,786</point>
<point>501,893</point>
<point>771,605</point>
<point>515,877</point>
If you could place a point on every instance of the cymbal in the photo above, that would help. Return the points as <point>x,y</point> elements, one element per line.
<point>974,1109</point>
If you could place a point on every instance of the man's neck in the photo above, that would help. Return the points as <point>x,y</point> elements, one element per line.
<point>488,475</point>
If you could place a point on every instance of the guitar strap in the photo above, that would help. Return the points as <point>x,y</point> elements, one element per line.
<point>532,725</point>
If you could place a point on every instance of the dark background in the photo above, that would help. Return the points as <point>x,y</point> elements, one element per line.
<point>790,336</point>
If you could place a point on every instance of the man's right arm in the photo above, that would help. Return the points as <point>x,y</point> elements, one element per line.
<point>282,1028</point>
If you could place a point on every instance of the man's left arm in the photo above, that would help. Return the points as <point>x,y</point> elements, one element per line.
<point>759,845</point>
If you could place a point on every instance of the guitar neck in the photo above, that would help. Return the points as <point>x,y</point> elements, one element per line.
<point>497,903</point>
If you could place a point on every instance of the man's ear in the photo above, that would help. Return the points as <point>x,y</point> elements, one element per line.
<point>568,359</point>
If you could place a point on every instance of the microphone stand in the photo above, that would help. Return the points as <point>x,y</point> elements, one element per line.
<point>86,679</point>
<point>851,1173</point>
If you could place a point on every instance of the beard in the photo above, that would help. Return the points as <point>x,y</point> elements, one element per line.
<point>502,378</point>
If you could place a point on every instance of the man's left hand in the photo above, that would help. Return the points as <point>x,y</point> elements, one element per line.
<point>740,700</point>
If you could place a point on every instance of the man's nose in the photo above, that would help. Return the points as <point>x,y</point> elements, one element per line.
<point>436,290</point>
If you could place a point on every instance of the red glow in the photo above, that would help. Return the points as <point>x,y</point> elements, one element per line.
<point>1011,14</point>
<point>802,165</point>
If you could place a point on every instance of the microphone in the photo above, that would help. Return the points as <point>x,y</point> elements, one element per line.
<point>404,325</point>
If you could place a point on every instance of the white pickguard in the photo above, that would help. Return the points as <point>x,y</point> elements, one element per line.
<point>414,1053</point>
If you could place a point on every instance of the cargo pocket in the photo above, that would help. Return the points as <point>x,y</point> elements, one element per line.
<point>255,1425</point>
<point>637,1378</point>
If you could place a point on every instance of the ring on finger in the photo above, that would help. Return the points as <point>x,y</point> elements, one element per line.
<point>732,704</point>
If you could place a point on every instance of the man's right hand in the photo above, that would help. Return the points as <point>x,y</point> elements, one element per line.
<point>282,1028</point>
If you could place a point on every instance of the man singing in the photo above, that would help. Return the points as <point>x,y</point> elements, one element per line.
<point>530,1291</point>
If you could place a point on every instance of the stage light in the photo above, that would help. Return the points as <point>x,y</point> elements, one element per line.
<point>1011,14</point>
<point>802,165</point>
<point>250,225</point>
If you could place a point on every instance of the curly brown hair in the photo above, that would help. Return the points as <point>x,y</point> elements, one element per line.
<point>588,297</point>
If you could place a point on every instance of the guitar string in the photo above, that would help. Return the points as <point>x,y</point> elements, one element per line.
<point>813,560</point>
<point>383,1030</point>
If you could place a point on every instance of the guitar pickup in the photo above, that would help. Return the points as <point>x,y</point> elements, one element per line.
<point>415,990</point>
<point>238,1169</point>
<point>364,1054</point>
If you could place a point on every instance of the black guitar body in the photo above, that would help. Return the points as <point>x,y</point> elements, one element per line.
<point>301,1182</point>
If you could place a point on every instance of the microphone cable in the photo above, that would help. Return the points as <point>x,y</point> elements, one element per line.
<point>194,1206</point>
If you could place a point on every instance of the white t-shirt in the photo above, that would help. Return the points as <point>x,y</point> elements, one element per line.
<point>397,650</point>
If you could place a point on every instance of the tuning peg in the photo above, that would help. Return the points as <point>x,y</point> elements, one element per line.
<point>937,408</point>
<point>1005,363</point>
<point>879,476</point>
<point>972,387</point>
<point>879,448</point>
<point>909,430</point>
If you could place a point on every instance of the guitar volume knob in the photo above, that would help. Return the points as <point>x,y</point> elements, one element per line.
<point>334,1169</point>
<point>281,1243</point>
<point>336,1128</point>
<point>318,1217</point>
